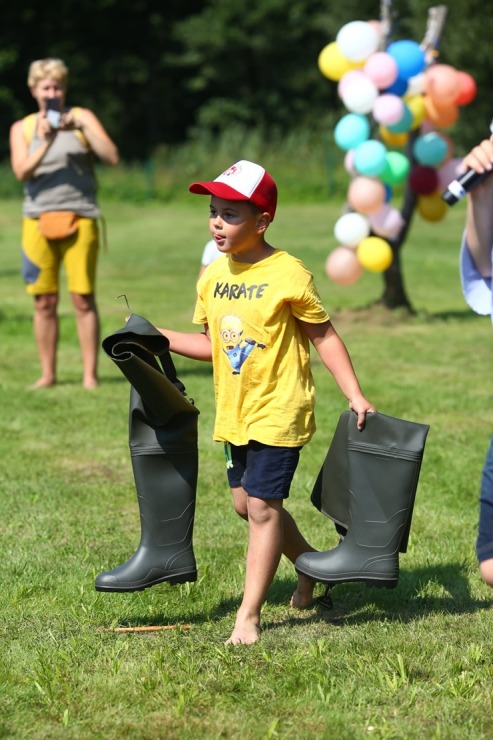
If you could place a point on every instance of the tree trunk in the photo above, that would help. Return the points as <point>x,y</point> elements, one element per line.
<point>394,294</point>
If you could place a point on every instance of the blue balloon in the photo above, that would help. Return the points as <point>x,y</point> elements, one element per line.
<point>430,149</point>
<point>351,131</point>
<point>398,87</point>
<point>370,158</point>
<point>404,125</point>
<point>409,57</point>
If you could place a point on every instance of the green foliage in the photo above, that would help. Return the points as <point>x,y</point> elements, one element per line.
<point>160,74</point>
<point>305,164</point>
<point>409,663</point>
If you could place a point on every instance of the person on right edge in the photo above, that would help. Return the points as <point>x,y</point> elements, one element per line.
<point>476,272</point>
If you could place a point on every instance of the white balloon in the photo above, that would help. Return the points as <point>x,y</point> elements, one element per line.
<point>351,228</point>
<point>359,95</point>
<point>415,85</point>
<point>357,40</point>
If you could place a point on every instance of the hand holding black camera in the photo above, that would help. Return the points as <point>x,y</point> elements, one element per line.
<point>53,112</point>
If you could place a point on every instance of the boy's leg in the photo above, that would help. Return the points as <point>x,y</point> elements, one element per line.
<point>265,521</point>
<point>294,544</point>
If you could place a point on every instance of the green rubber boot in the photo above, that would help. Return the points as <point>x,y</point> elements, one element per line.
<point>164,455</point>
<point>377,475</point>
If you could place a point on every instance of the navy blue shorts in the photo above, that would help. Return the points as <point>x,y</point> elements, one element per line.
<point>262,470</point>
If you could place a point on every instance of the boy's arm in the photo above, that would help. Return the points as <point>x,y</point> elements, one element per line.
<point>196,346</point>
<point>479,220</point>
<point>336,359</point>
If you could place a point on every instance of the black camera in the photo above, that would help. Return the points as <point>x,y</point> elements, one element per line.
<point>53,112</point>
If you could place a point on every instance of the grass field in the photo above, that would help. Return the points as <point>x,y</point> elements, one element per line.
<point>414,662</point>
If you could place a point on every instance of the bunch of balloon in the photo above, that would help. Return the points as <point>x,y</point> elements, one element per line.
<point>392,90</point>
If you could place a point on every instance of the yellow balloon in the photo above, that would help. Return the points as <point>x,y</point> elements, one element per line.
<point>332,63</point>
<point>416,104</point>
<point>432,207</point>
<point>374,253</point>
<point>397,141</point>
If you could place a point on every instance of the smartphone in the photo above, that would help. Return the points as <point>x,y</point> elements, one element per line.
<point>53,112</point>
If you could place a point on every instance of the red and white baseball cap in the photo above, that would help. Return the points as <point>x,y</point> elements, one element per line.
<point>242,181</point>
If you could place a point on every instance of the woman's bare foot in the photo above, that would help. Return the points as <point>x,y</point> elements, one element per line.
<point>42,383</point>
<point>90,383</point>
<point>246,630</point>
<point>303,596</point>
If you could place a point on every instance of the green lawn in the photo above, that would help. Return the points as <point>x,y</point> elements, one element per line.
<point>413,662</point>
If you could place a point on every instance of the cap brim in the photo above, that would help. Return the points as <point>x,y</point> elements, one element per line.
<point>219,189</point>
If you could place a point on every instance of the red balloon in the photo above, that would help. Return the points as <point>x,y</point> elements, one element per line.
<point>467,89</point>
<point>423,180</point>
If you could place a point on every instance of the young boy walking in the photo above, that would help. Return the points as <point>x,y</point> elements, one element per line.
<point>260,310</point>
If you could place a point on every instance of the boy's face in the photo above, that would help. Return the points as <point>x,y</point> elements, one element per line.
<point>237,227</point>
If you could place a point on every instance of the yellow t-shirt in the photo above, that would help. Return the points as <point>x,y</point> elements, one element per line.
<point>263,383</point>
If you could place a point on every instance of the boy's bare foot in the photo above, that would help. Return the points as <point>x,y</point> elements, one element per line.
<point>42,383</point>
<point>303,596</point>
<point>246,631</point>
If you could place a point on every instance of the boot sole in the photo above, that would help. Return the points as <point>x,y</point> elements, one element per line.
<point>173,580</point>
<point>370,582</point>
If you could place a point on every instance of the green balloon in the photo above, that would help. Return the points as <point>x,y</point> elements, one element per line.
<point>396,168</point>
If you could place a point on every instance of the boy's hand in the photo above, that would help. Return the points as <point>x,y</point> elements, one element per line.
<point>361,407</point>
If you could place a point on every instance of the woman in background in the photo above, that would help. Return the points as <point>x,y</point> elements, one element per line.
<point>52,152</point>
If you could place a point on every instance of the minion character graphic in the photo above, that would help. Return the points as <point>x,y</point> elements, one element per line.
<point>235,347</point>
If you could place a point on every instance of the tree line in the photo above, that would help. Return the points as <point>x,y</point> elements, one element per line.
<point>164,72</point>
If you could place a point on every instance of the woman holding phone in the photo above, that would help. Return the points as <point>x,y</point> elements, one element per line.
<point>52,152</point>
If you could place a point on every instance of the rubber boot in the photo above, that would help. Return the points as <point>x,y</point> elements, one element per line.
<point>164,455</point>
<point>383,463</point>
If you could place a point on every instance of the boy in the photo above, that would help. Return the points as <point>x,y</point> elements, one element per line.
<point>260,309</point>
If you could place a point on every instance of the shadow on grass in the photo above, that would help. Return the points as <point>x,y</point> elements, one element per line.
<point>442,589</point>
<point>377,313</point>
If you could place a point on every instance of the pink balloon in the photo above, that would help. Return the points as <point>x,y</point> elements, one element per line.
<point>343,267</point>
<point>452,169</point>
<point>387,221</point>
<point>382,69</point>
<point>349,163</point>
<point>366,194</point>
<point>388,109</point>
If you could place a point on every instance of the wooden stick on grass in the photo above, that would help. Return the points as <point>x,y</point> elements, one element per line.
<point>146,628</point>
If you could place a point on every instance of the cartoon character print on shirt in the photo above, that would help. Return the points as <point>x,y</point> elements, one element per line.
<point>236,347</point>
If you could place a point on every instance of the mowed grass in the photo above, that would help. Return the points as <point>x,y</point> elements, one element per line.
<point>412,662</point>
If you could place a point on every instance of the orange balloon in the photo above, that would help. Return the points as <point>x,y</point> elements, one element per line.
<point>441,116</point>
<point>441,84</point>
<point>343,267</point>
<point>366,194</point>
